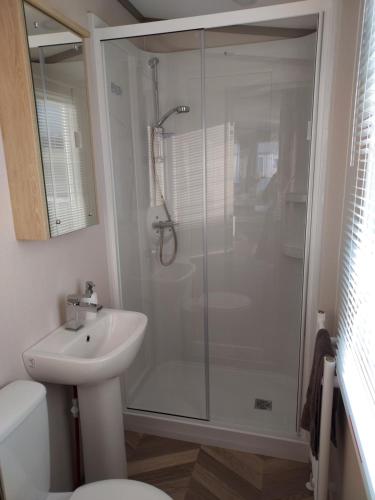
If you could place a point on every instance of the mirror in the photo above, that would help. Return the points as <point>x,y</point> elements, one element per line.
<point>60,91</point>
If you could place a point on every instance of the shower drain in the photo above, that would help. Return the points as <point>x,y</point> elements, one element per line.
<point>263,404</point>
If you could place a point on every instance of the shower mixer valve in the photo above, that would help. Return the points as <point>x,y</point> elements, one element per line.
<point>163,224</point>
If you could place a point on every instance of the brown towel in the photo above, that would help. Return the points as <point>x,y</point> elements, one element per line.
<point>310,420</point>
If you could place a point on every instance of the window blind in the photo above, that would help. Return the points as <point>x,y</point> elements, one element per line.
<point>356,351</point>
<point>184,189</point>
<point>65,171</point>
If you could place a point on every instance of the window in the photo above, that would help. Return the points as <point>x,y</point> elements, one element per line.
<point>356,353</point>
<point>184,188</point>
<point>64,169</point>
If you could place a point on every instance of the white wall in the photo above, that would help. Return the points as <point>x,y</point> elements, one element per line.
<point>36,276</point>
<point>346,481</point>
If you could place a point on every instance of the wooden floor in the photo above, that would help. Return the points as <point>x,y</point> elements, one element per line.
<point>187,471</point>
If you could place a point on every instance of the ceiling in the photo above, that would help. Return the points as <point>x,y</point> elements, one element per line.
<point>171,9</point>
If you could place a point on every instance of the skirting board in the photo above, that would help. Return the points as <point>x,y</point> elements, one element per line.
<point>207,433</point>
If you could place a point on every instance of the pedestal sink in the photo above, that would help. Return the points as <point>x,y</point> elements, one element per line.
<point>93,359</point>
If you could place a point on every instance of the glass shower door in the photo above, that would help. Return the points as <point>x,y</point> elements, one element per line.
<point>259,103</point>
<point>154,88</point>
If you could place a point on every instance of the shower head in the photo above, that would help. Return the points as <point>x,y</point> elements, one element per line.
<point>153,61</point>
<point>178,109</point>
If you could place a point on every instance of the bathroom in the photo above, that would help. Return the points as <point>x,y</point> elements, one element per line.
<point>214,146</point>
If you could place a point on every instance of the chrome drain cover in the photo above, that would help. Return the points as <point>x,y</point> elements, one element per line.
<point>263,404</point>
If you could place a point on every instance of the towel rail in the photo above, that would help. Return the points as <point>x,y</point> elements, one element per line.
<point>320,468</point>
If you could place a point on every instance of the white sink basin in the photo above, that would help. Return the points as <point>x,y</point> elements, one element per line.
<point>101,350</point>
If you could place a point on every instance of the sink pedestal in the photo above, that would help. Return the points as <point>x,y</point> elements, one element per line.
<point>103,439</point>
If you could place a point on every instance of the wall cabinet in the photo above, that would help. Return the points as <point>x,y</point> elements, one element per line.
<point>45,121</point>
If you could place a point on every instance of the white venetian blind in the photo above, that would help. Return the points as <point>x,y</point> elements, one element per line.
<point>356,353</point>
<point>65,172</point>
<point>184,187</point>
<point>65,147</point>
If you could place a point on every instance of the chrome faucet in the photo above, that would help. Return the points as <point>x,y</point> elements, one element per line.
<point>89,290</point>
<point>75,305</point>
<point>90,298</point>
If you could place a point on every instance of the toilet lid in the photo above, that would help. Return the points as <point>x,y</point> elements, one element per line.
<point>119,489</point>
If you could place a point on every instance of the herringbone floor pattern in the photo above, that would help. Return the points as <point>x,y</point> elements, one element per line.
<point>188,471</point>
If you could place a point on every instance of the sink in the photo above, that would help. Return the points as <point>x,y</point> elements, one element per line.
<point>93,358</point>
<point>102,349</point>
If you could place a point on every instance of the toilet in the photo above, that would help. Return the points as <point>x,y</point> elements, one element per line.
<point>25,458</point>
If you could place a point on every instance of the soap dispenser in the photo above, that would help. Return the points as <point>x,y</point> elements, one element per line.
<point>90,297</point>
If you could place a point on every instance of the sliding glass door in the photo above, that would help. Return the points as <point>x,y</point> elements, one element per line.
<point>154,88</point>
<point>258,112</point>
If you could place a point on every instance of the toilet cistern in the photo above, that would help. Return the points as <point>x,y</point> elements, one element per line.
<point>25,453</point>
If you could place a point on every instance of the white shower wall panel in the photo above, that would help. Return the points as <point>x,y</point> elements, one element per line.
<point>254,82</point>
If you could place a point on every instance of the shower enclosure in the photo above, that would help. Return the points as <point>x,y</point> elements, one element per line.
<point>210,137</point>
